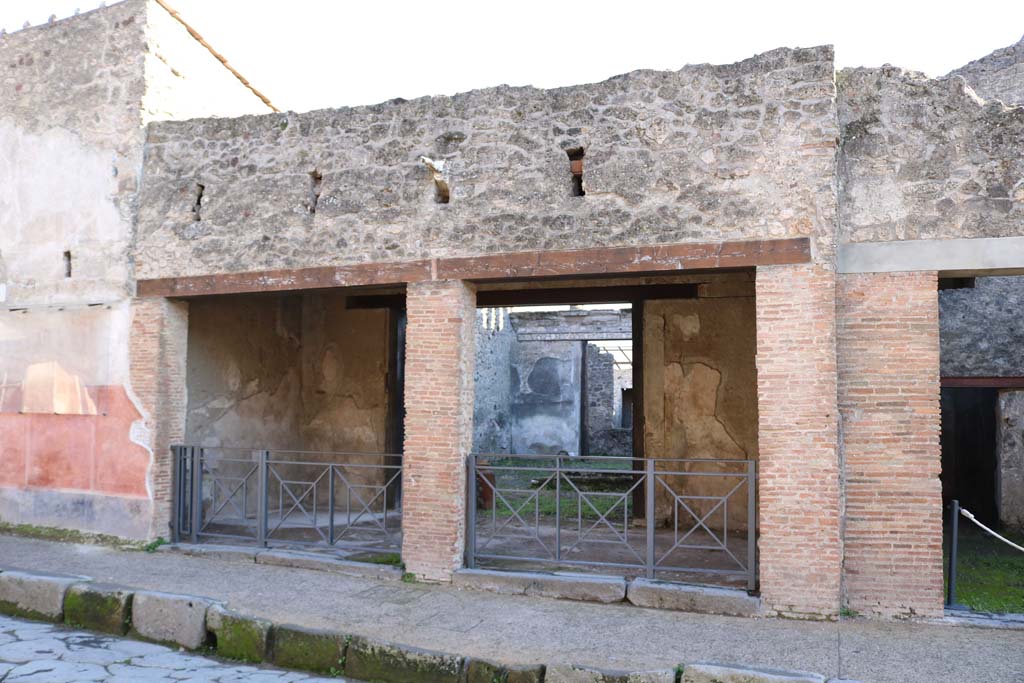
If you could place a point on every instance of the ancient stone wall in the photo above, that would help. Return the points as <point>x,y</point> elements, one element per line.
<point>604,436</point>
<point>925,159</point>
<point>707,153</point>
<point>982,330</point>
<point>999,75</point>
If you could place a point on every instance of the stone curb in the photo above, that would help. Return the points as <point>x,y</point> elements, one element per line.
<point>99,607</point>
<point>34,596</point>
<point>705,672</point>
<point>170,618</point>
<point>176,619</point>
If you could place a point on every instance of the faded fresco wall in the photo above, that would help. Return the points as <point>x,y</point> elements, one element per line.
<point>245,372</point>
<point>287,372</point>
<point>700,396</point>
<point>707,153</point>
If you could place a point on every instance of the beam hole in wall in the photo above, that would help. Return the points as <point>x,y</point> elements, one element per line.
<point>575,155</point>
<point>316,180</point>
<point>442,195</point>
<point>67,264</point>
<point>197,206</point>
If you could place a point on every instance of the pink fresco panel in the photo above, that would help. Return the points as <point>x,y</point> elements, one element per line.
<point>121,466</point>
<point>61,451</point>
<point>14,436</point>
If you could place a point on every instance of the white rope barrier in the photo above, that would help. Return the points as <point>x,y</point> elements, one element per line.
<point>1007,541</point>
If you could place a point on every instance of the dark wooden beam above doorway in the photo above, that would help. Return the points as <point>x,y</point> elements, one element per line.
<point>598,261</point>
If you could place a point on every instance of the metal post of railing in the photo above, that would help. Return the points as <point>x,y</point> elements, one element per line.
<point>954,521</point>
<point>330,506</point>
<point>195,515</point>
<point>751,526</point>
<point>175,494</point>
<point>262,497</point>
<point>558,507</point>
<point>471,512</point>
<point>649,513</point>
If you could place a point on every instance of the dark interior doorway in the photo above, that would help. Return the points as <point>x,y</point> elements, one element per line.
<point>969,449</point>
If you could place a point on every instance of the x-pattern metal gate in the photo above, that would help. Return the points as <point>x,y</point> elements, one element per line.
<point>288,497</point>
<point>579,511</point>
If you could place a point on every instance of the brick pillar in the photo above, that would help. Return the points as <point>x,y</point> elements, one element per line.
<point>797,435</point>
<point>889,402</point>
<point>157,355</point>
<point>438,425</point>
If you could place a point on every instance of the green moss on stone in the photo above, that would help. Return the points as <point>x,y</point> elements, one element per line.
<point>479,671</point>
<point>242,638</point>
<point>13,610</point>
<point>310,650</point>
<point>99,609</point>
<point>369,660</point>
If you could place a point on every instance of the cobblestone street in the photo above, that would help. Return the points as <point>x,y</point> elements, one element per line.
<point>45,653</point>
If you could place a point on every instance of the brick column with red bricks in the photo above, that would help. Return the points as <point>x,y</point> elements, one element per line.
<point>438,425</point>
<point>889,401</point>
<point>799,545</point>
<point>157,353</point>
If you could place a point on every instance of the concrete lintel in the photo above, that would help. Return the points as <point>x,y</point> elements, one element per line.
<point>954,257</point>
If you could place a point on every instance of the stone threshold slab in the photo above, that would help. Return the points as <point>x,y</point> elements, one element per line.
<point>603,589</point>
<point>295,559</point>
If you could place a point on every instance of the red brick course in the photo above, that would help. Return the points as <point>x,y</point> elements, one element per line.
<point>800,550</point>
<point>438,425</point>
<point>889,401</point>
<point>157,355</point>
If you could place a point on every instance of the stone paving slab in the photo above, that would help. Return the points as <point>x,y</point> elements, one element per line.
<point>31,652</point>
<point>522,629</point>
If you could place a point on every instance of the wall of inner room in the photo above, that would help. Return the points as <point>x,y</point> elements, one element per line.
<point>700,392</point>
<point>982,335</point>
<point>529,382</point>
<point>297,372</point>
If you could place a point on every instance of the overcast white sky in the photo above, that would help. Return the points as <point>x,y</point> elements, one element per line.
<point>308,54</point>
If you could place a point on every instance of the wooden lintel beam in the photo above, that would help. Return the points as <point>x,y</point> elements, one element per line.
<point>600,261</point>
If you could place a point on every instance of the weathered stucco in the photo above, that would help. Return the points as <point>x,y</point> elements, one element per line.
<point>707,153</point>
<point>926,159</point>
